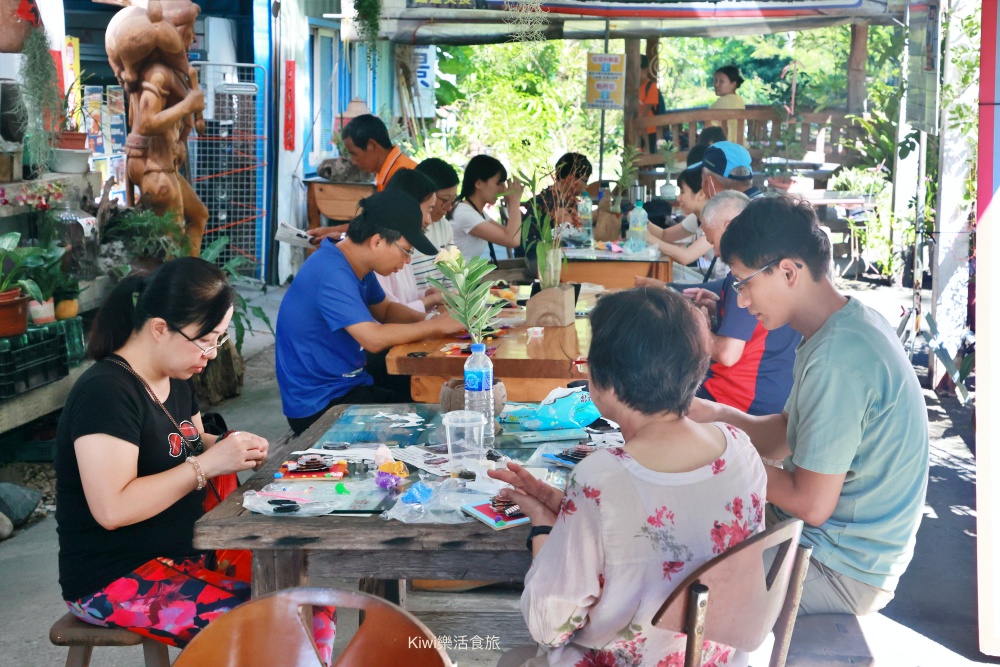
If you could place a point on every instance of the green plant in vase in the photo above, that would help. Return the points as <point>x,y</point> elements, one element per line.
<point>466,298</point>
<point>627,176</point>
<point>547,240</point>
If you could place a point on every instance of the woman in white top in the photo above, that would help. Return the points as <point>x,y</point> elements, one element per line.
<point>401,286</point>
<point>484,180</point>
<point>635,521</point>
<point>439,231</point>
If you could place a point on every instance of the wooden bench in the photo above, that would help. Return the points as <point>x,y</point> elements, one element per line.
<point>828,640</point>
<point>81,638</point>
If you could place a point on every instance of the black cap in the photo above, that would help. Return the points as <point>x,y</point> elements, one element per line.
<point>394,209</point>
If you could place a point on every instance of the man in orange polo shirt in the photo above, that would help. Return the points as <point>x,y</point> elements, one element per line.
<point>367,141</point>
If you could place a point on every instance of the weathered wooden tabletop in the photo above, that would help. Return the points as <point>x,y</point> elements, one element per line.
<point>286,549</point>
<point>529,367</point>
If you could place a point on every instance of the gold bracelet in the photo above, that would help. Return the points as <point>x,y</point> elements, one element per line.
<point>198,471</point>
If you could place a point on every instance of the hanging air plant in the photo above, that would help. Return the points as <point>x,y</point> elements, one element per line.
<point>367,20</point>
<point>41,101</point>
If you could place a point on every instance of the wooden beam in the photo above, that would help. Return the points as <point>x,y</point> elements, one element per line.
<point>857,92</point>
<point>632,91</point>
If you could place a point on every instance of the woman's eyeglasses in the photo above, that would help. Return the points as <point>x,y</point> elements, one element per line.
<point>223,339</point>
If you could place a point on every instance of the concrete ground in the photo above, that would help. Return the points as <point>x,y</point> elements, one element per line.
<point>931,622</point>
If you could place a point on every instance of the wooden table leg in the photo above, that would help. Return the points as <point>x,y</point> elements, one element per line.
<point>274,569</point>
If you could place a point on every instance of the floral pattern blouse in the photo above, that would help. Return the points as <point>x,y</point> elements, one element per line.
<point>625,537</point>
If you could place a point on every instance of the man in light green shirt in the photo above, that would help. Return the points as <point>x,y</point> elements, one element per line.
<point>853,435</point>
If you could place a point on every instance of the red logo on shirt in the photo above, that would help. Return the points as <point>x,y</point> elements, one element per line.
<point>176,444</point>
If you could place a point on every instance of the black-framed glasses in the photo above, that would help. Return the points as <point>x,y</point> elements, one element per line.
<point>740,284</point>
<point>408,253</point>
<point>223,339</point>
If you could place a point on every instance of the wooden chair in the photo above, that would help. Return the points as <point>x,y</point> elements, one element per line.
<point>277,630</point>
<point>747,601</point>
<point>81,638</point>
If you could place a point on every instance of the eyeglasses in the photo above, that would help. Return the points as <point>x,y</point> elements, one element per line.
<point>739,285</point>
<point>408,253</point>
<point>447,201</point>
<point>223,339</point>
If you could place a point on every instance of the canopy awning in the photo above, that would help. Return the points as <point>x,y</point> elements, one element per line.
<point>484,21</point>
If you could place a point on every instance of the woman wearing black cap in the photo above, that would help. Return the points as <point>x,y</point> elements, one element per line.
<point>335,311</point>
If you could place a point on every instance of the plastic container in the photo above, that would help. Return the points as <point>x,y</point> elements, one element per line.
<point>464,435</point>
<point>585,209</point>
<point>78,232</point>
<point>32,359</point>
<point>637,221</point>
<point>479,388</point>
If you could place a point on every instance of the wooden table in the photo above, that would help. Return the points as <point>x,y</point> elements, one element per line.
<point>286,549</point>
<point>529,367</point>
<point>614,270</point>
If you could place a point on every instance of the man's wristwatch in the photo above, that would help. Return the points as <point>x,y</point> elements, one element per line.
<point>535,532</point>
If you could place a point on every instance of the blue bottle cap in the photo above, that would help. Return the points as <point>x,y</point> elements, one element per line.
<point>278,475</point>
<point>478,347</point>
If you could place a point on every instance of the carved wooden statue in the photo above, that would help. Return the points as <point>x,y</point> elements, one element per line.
<point>147,48</point>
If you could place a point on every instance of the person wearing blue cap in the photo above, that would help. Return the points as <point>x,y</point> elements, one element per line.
<point>334,311</point>
<point>727,166</point>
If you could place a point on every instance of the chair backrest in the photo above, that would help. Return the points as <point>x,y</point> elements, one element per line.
<point>744,599</point>
<point>276,630</point>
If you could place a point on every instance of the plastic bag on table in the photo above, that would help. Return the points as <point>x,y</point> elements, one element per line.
<point>562,408</point>
<point>444,504</point>
<point>255,502</point>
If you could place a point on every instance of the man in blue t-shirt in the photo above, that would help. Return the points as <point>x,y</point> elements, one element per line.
<point>335,310</point>
<point>853,434</point>
<point>751,367</point>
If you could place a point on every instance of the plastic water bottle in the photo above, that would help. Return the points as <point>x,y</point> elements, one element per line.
<point>586,211</point>
<point>637,221</point>
<point>479,388</point>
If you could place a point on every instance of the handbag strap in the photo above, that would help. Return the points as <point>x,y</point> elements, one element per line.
<point>180,432</point>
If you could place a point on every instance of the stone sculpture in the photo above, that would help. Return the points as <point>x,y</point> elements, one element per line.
<point>147,48</point>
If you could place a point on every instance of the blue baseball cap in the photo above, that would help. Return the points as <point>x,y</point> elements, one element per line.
<point>727,159</point>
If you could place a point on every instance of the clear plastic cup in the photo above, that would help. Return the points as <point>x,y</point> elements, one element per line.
<point>464,434</point>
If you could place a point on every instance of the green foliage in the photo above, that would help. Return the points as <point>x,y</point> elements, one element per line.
<point>146,234</point>
<point>66,288</point>
<point>241,308</point>
<point>368,23</point>
<point>40,98</point>
<point>466,298</point>
<point>16,264</point>
<point>46,270</point>
<point>880,236</point>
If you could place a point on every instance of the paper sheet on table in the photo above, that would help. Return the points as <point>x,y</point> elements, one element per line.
<point>293,236</point>
<point>353,454</point>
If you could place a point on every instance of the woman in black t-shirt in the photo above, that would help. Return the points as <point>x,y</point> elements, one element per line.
<point>133,462</point>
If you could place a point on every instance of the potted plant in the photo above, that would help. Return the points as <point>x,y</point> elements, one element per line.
<point>46,272</point>
<point>669,152</point>
<point>72,131</point>
<point>146,239</point>
<point>16,288</point>
<point>41,101</point>
<point>554,304</point>
<point>223,377</point>
<point>67,297</point>
<point>780,153</point>
<point>465,298</point>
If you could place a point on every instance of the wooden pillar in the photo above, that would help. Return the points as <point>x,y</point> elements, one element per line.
<point>856,69</point>
<point>631,91</point>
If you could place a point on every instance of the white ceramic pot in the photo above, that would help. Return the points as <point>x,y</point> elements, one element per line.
<point>42,313</point>
<point>69,161</point>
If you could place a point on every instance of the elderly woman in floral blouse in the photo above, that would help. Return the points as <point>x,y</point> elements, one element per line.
<point>636,520</point>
